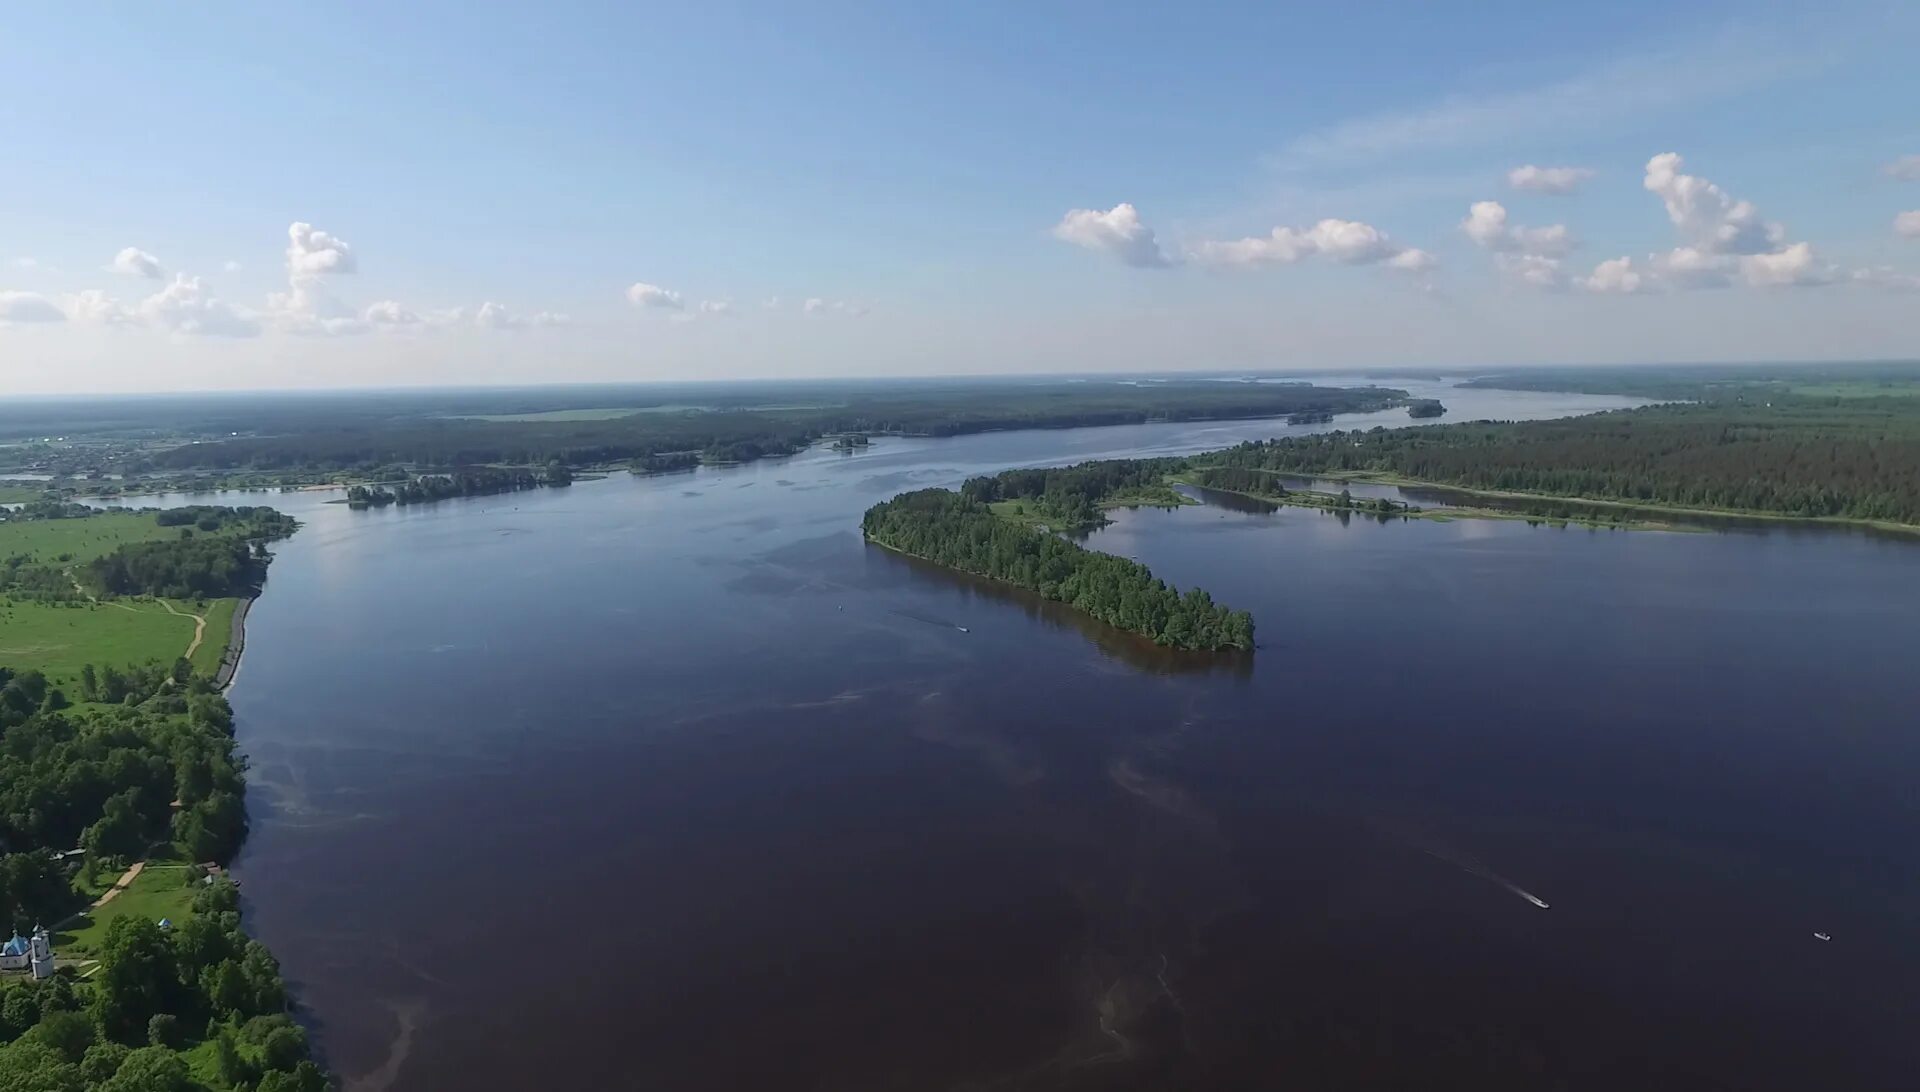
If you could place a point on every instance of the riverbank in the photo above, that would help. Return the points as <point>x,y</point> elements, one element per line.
<point>236,644</point>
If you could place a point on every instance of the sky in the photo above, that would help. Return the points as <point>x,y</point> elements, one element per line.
<point>236,196</point>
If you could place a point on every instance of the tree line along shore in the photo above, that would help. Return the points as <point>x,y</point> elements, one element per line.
<point>121,799</point>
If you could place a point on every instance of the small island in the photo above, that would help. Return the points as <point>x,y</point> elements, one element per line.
<point>960,532</point>
<point>1425,407</point>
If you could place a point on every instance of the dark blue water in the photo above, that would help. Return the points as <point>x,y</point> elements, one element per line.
<point>673,783</point>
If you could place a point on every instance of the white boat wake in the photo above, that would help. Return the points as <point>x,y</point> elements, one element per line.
<point>1466,862</point>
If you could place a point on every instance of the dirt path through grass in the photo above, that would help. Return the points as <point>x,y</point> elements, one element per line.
<point>199,627</point>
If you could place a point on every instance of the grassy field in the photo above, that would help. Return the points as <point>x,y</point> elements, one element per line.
<point>47,540</point>
<point>14,492</point>
<point>160,891</point>
<point>59,638</point>
<point>219,615</point>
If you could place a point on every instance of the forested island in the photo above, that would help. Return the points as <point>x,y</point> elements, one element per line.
<point>156,988</point>
<point>471,482</point>
<point>961,532</point>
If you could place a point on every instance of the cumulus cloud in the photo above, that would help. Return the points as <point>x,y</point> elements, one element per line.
<point>1413,260</point>
<point>186,306</point>
<point>1790,266</point>
<point>1350,242</point>
<point>1907,225</point>
<point>497,316</point>
<point>1538,270</point>
<point>1553,180</point>
<point>1617,276</point>
<point>1691,267</point>
<point>1486,224</point>
<point>1906,168</point>
<point>1118,232</point>
<point>716,308</point>
<point>1707,216</point>
<point>95,307</point>
<point>389,313</point>
<point>312,252</point>
<point>654,297</point>
<point>135,262</point>
<point>25,307</point>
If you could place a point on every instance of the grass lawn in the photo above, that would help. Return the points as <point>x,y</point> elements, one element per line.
<point>15,492</point>
<point>160,891</point>
<point>59,638</point>
<point>219,615</point>
<point>46,540</point>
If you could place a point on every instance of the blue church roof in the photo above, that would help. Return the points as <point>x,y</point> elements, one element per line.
<point>16,946</point>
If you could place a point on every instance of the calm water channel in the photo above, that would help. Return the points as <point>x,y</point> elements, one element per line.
<point>672,784</point>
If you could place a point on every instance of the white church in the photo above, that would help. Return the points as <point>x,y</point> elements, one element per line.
<point>34,954</point>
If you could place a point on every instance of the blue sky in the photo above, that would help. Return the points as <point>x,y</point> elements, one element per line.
<point>226,195</point>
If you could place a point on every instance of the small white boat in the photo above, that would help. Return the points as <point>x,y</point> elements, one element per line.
<point>1821,936</point>
<point>962,629</point>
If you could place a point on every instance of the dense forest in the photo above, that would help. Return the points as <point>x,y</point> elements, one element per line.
<point>467,482</point>
<point>960,532</point>
<point>1857,458</point>
<point>1070,498</point>
<point>156,767</point>
<point>729,429</point>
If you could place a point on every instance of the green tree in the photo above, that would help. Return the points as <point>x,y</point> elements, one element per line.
<point>150,1069</point>
<point>136,978</point>
<point>70,1033</point>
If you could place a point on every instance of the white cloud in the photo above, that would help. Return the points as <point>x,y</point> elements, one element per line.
<point>1906,168</point>
<point>186,307</point>
<point>1117,231</point>
<point>1413,260</point>
<point>230,266</point>
<point>26,263</point>
<point>652,296</point>
<point>1554,180</point>
<point>1791,266</point>
<point>388,313</point>
<point>28,307</point>
<point>496,316</point>
<point>771,303</point>
<point>1705,214</point>
<point>813,304</point>
<point>1616,275</point>
<point>1350,242</point>
<point>1691,267</point>
<point>1907,225</point>
<point>1538,270</point>
<point>1486,224</point>
<point>312,252</point>
<point>308,309</point>
<point>135,262</point>
<point>1283,246</point>
<point>716,308</point>
<point>96,307</point>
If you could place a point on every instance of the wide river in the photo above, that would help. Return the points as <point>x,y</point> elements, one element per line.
<point>674,784</point>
